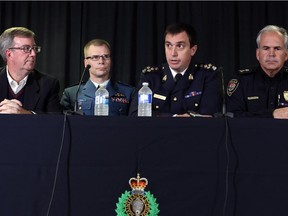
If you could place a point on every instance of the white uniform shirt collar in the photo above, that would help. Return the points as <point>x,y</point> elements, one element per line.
<point>174,72</point>
<point>104,84</point>
<point>14,85</point>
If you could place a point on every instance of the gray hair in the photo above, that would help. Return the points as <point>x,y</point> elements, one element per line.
<point>273,28</point>
<point>7,38</point>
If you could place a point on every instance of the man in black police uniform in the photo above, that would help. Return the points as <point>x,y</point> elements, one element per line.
<point>195,92</point>
<point>263,91</point>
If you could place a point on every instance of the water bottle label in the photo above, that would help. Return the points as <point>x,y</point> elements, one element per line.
<point>143,98</point>
<point>101,100</point>
<point>105,100</point>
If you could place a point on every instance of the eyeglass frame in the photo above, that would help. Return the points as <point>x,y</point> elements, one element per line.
<point>97,57</point>
<point>27,49</point>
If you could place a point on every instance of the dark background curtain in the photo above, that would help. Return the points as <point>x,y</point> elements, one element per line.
<point>226,32</point>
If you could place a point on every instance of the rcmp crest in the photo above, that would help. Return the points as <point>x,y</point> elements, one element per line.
<point>137,202</point>
<point>232,86</point>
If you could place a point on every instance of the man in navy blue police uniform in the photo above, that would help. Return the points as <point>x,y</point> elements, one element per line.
<point>179,87</point>
<point>262,91</point>
<point>97,54</point>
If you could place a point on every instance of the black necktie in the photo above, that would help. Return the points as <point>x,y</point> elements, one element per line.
<point>178,77</point>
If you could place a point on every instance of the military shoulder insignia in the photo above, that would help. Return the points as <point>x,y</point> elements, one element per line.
<point>137,202</point>
<point>150,69</point>
<point>232,86</point>
<point>206,66</point>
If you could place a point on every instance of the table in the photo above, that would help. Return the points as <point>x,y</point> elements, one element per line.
<point>195,166</point>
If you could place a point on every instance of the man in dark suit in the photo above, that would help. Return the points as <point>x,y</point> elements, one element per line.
<point>24,90</point>
<point>179,87</point>
<point>97,54</point>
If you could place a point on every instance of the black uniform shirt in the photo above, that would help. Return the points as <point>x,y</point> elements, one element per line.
<point>254,94</point>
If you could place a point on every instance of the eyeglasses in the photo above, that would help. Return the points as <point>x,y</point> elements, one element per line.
<point>27,49</point>
<point>97,57</point>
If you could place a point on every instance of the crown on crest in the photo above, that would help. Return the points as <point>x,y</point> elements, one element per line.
<point>138,183</point>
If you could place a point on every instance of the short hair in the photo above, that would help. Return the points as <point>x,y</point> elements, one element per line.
<point>7,38</point>
<point>273,28</point>
<point>96,42</point>
<point>177,28</point>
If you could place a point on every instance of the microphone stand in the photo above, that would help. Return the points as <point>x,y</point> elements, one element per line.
<point>224,113</point>
<point>76,107</point>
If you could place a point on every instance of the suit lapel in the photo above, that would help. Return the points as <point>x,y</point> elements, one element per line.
<point>185,81</point>
<point>167,79</point>
<point>111,88</point>
<point>89,89</point>
<point>3,84</point>
<point>31,92</point>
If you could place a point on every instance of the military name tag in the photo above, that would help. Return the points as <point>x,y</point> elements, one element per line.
<point>161,97</point>
<point>253,98</point>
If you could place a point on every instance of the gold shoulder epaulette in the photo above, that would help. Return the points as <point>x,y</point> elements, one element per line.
<point>150,69</point>
<point>206,66</point>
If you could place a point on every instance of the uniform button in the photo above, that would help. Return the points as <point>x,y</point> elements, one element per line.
<point>157,107</point>
<point>175,99</point>
<point>196,104</point>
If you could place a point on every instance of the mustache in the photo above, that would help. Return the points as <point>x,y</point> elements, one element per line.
<point>271,60</point>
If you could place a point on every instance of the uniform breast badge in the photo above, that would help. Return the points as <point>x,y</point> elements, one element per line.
<point>137,202</point>
<point>232,86</point>
<point>285,95</point>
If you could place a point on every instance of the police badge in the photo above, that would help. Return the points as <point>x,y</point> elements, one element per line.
<point>137,202</point>
<point>232,86</point>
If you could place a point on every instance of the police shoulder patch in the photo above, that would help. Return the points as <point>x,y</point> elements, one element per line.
<point>150,69</point>
<point>206,66</point>
<point>232,86</point>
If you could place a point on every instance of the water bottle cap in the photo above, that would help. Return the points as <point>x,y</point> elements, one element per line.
<point>145,84</point>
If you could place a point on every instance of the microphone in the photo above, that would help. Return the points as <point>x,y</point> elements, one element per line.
<point>224,112</point>
<point>77,92</point>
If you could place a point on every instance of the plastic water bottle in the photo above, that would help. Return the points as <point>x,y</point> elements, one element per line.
<point>145,100</point>
<point>101,102</point>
